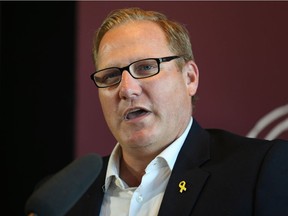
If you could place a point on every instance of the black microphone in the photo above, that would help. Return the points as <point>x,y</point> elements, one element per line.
<point>58,194</point>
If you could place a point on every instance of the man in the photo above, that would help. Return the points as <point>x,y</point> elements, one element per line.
<point>164,163</point>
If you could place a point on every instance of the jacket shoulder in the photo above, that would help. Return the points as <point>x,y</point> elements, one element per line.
<point>226,144</point>
<point>227,136</point>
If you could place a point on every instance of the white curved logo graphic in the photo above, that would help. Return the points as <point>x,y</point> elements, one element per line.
<point>267,120</point>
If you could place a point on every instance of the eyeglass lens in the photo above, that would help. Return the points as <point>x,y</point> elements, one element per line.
<point>139,69</point>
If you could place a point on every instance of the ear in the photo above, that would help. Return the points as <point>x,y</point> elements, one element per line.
<point>191,76</point>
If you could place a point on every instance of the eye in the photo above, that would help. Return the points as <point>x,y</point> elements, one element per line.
<point>109,76</point>
<point>145,68</point>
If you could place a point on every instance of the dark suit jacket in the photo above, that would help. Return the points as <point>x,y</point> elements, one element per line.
<point>225,174</point>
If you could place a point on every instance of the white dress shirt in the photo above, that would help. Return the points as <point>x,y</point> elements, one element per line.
<point>144,200</point>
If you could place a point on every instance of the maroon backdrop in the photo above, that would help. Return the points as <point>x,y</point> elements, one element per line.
<point>240,49</point>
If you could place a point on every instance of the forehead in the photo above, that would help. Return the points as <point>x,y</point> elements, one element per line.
<point>132,41</point>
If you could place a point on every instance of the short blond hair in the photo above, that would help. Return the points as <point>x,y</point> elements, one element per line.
<point>176,34</point>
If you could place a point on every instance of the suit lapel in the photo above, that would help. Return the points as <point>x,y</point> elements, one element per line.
<point>194,153</point>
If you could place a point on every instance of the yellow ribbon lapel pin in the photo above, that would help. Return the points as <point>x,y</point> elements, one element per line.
<point>182,187</point>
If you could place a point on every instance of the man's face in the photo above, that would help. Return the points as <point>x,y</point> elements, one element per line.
<point>147,113</point>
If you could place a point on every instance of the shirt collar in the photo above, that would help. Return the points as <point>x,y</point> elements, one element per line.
<point>113,166</point>
<point>169,155</point>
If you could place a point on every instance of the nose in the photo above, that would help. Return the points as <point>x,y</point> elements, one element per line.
<point>129,87</point>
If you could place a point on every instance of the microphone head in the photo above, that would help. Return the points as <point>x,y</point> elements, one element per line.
<point>58,194</point>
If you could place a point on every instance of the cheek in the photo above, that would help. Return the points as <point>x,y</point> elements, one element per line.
<point>169,94</point>
<point>106,101</point>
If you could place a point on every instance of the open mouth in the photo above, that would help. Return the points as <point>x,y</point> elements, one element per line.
<point>135,113</point>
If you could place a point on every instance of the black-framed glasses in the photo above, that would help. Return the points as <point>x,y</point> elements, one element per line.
<point>138,70</point>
